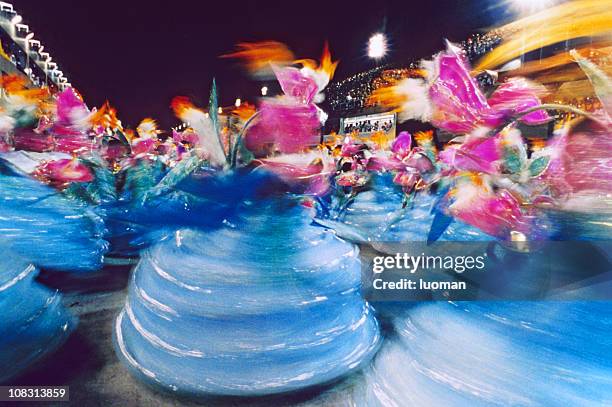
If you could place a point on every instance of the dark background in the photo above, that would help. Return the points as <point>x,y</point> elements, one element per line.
<point>138,55</point>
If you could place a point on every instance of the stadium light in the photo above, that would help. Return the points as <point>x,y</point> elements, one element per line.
<point>377,46</point>
<point>531,6</point>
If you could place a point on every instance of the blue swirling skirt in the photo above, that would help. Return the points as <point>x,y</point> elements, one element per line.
<point>265,304</point>
<point>493,354</point>
<point>379,217</point>
<point>33,322</point>
<point>46,228</point>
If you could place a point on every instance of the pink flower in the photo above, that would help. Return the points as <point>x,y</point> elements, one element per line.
<point>402,144</point>
<point>580,161</point>
<point>285,126</point>
<point>28,140</point>
<point>296,85</point>
<point>71,111</point>
<point>495,213</point>
<point>352,179</point>
<point>350,148</point>
<point>61,172</point>
<point>479,154</point>
<point>307,173</point>
<point>384,163</point>
<point>407,179</point>
<point>518,95</point>
<point>141,146</point>
<point>459,106</point>
<point>289,123</point>
<point>408,162</point>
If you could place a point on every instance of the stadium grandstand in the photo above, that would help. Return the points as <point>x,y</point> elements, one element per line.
<point>21,53</point>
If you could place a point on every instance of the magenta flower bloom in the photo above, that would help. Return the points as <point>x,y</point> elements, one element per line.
<point>288,123</point>
<point>28,140</point>
<point>71,111</point>
<point>402,144</point>
<point>495,213</point>
<point>142,147</point>
<point>72,122</point>
<point>73,143</point>
<point>407,179</point>
<point>581,162</point>
<point>478,154</point>
<point>296,85</point>
<point>407,162</point>
<point>459,106</point>
<point>517,95</point>
<point>285,126</point>
<point>62,172</point>
<point>306,173</point>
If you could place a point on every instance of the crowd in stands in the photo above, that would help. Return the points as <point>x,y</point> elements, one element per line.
<point>366,126</point>
<point>351,96</point>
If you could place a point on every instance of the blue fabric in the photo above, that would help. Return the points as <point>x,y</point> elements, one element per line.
<point>266,303</point>
<point>47,228</point>
<point>493,353</point>
<point>33,323</point>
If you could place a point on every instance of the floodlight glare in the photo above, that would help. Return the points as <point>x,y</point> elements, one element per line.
<point>377,46</point>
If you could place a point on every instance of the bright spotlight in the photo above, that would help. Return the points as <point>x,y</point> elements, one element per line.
<point>238,102</point>
<point>531,6</point>
<point>377,46</point>
<point>264,90</point>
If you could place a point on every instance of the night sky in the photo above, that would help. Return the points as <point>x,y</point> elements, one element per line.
<point>139,55</point>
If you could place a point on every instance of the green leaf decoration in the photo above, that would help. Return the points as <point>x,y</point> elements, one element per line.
<point>24,118</point>
<point>213,106</point>
<point>512,160</point>
<point>121,137</point>
<point>142,177</point>
<point>104,179</point>
<point>538,165</point>
<point>175,176</point>
<point>81,192</point>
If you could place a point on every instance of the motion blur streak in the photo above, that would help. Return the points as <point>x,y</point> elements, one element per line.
<point>582,18</point>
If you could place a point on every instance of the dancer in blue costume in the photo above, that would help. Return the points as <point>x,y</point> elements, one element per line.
<point>377,215</point>
<point>47,228</point>
<point>126,237</point>
<point>34,322</point>
<point>262,303</point>
<point>494,353</point>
